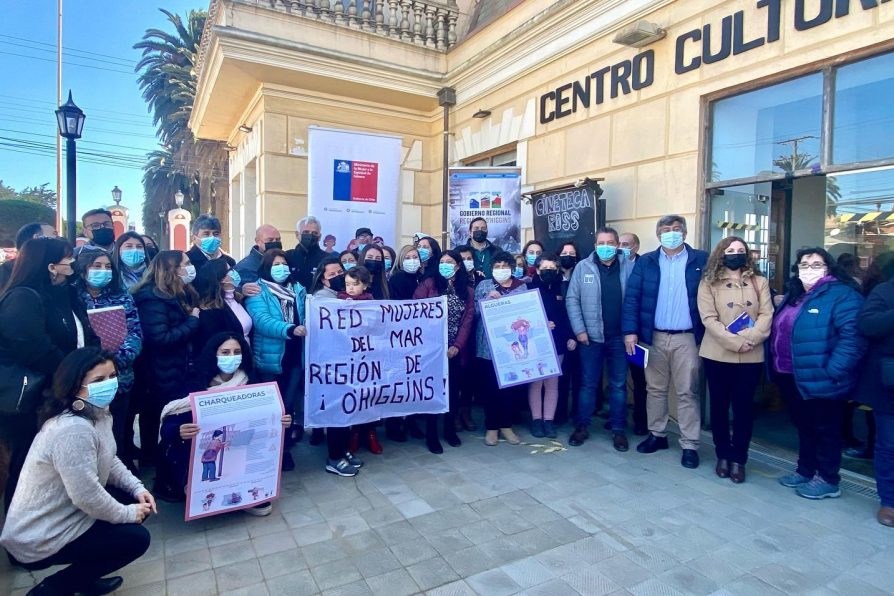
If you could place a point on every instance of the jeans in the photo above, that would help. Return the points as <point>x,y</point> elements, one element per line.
<point>819,431</point>
<point>102,549</point>
<point>732,385</point>
<point>638,376</point>
<point>209,470</point>
<point>593,358</point>
<point>884,457</point>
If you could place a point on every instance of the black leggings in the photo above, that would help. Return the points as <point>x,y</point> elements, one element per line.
<point>337,440</point>
<point>102,549</point>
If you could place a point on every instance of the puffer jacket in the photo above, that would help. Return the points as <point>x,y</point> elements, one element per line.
<point>641,299</point>
<point>271,332</point>
<point>826,345</point>
<point>583,299</point>
<point>876,322</point>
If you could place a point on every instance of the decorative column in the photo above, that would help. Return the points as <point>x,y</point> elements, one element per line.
<point>120,215</point>
<point>179,223</point>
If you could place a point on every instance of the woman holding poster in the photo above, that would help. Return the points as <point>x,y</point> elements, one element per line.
<point>452,281</point>
<point>497,402</point>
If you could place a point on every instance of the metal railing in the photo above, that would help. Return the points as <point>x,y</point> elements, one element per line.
<point>428,23</point>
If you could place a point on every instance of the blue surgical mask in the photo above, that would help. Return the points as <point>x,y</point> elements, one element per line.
<point>348,265</point>
<point>209,244</point>
<point>606,252</point>
<point>99,278</point>
<point>280,273</point>
<point>424,253</point>
<point>446,270</point>
<point>229,364</point>
<point>388,264</point>
<point>530,259</point>
<point>627,251</point>
<point>518,273</point>
<point>133,257</point>
<point>101,393</point>
<point>235,277</point>
<point>671,240</point>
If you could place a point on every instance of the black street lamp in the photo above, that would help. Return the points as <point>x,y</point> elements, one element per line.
<point>71,123</point>
<point>116,195</point>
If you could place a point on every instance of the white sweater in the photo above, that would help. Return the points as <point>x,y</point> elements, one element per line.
<point>61,491</point>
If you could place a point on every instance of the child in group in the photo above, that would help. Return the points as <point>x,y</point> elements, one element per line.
<point>226,361</point>
<point>357,283</point>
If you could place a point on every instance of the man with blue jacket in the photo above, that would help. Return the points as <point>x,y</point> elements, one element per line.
<point>594,301</point>
<point>661,313</point>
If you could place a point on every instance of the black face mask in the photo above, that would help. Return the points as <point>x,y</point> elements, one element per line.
<point>337,284</point>
<point>479,235</point>
<point>734,262</point>
<point>272,246</point>
<point>103,237</point>
<point>567,261</point>
<point>373,266</point>
<point>308,240</point>
<point>549,276</point>
<point>151,251</point>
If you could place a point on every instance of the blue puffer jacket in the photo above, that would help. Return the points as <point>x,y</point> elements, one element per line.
<point>270,331</point>
<point>641,299</point>
<point>826,345</point>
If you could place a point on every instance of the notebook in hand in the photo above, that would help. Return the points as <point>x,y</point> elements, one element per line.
<point>640,356</point>
<point>743,321</point>
<point>110,324</point>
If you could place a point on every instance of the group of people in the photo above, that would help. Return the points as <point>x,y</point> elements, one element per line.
<point>196,320</point>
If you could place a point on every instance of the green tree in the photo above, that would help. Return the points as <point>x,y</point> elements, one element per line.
<point>14,213</point>
<point>32,194</point>
<point>167,79</point>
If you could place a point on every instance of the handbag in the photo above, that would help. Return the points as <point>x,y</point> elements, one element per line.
<point>21,389</point>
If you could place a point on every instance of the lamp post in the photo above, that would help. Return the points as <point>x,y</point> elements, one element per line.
<point>161,229</point>
<point>70,119</point>
<point>178,198</point>
<point>116,195</point>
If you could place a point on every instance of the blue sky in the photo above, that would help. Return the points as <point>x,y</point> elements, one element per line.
<point>98,64</point>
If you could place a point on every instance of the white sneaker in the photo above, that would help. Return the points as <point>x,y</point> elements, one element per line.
<point>261,510</point>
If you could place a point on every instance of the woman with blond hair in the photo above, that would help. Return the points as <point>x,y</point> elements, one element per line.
<point>168,314</point>
<point>737,311</point>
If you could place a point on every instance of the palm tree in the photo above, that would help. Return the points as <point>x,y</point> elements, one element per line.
<point>167,79</point>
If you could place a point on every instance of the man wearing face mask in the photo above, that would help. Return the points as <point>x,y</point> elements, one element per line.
<point>99,229</point>
<point>630,247</point>
<point>661,312</point>
<point>307,254</point>
<point>594,302</point>
<point>482,249</point>
<point>206,242</point>
<point>267,237</point>
<point>362,237</point>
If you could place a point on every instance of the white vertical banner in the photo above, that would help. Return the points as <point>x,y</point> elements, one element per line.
<point>353,182</point>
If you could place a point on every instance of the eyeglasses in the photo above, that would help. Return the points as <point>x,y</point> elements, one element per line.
<point>814,266</point>
<point>100,225</point>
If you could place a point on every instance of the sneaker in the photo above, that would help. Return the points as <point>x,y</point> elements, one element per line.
<point>262,510</point>
<point>353,459</point>
<point>549,430</point>
<point>537,428</point>
<point>341,467</point>
<point>793,480</point>
<point>818,488</point>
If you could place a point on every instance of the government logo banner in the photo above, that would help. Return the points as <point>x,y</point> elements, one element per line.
<point>491,193</point>
<point>374,359</point>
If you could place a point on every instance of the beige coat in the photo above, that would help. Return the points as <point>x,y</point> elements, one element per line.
<point>720,302</point>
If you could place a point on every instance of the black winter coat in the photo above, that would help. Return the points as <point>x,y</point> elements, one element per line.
<point>198,258</point>
<point>167,333</point>
<point>402,285</point>
<point>876,323</point>
<point>303,263</point>
<point>211,322</point>
<point>37,328</point>
<point>554,305</point>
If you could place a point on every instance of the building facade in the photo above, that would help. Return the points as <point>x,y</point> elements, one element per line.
<point>770,119</point>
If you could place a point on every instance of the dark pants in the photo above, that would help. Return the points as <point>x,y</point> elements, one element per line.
<point>456,371</point>
<point>568,382</point>
<point>337,440</point>
<point>102,549</point>
<point>150,421</point>
<point>498,403</point>
<point>120,408</point>
<point>884,457</point>
<point>640,418</point>
<point>732,385</point>
<point>819,431</point>
<point>594,357</point>
<point>289,383</point>
<point>18,432</point>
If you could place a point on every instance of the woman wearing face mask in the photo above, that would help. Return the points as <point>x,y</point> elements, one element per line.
<point>733,356</point>
<point>130,258</point>
<point>498,403</point>
<point>373,258</point>
<point>518,272</point>
<point>220,306</point>
<point>329,279</point>
<point>62,512</point>
<point>429,253</point>
<point>41,321</point>
<point>348,260</point>
<point>277,314</point>
<point>532,250</point>
<point>467,386</point>
<point>570,381</point>
<point>151,247</point>
<point>98,287</point>
<point>389,260</point>
<point>169,317</point>
<point>453,282</point>
<point>544,395</point>
<point>814,351</point>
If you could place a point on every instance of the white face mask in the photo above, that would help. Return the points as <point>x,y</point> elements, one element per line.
<point>501,275</point>
<point>190,274</point>
<point>809,277</point>
<point>469,264</point>
<point>411,265</point>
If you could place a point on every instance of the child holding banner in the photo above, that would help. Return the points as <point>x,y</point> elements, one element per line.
<point>452,281</point>
<point>497,402</point>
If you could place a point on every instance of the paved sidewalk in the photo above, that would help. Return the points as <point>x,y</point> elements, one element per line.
<point>519,519</point>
